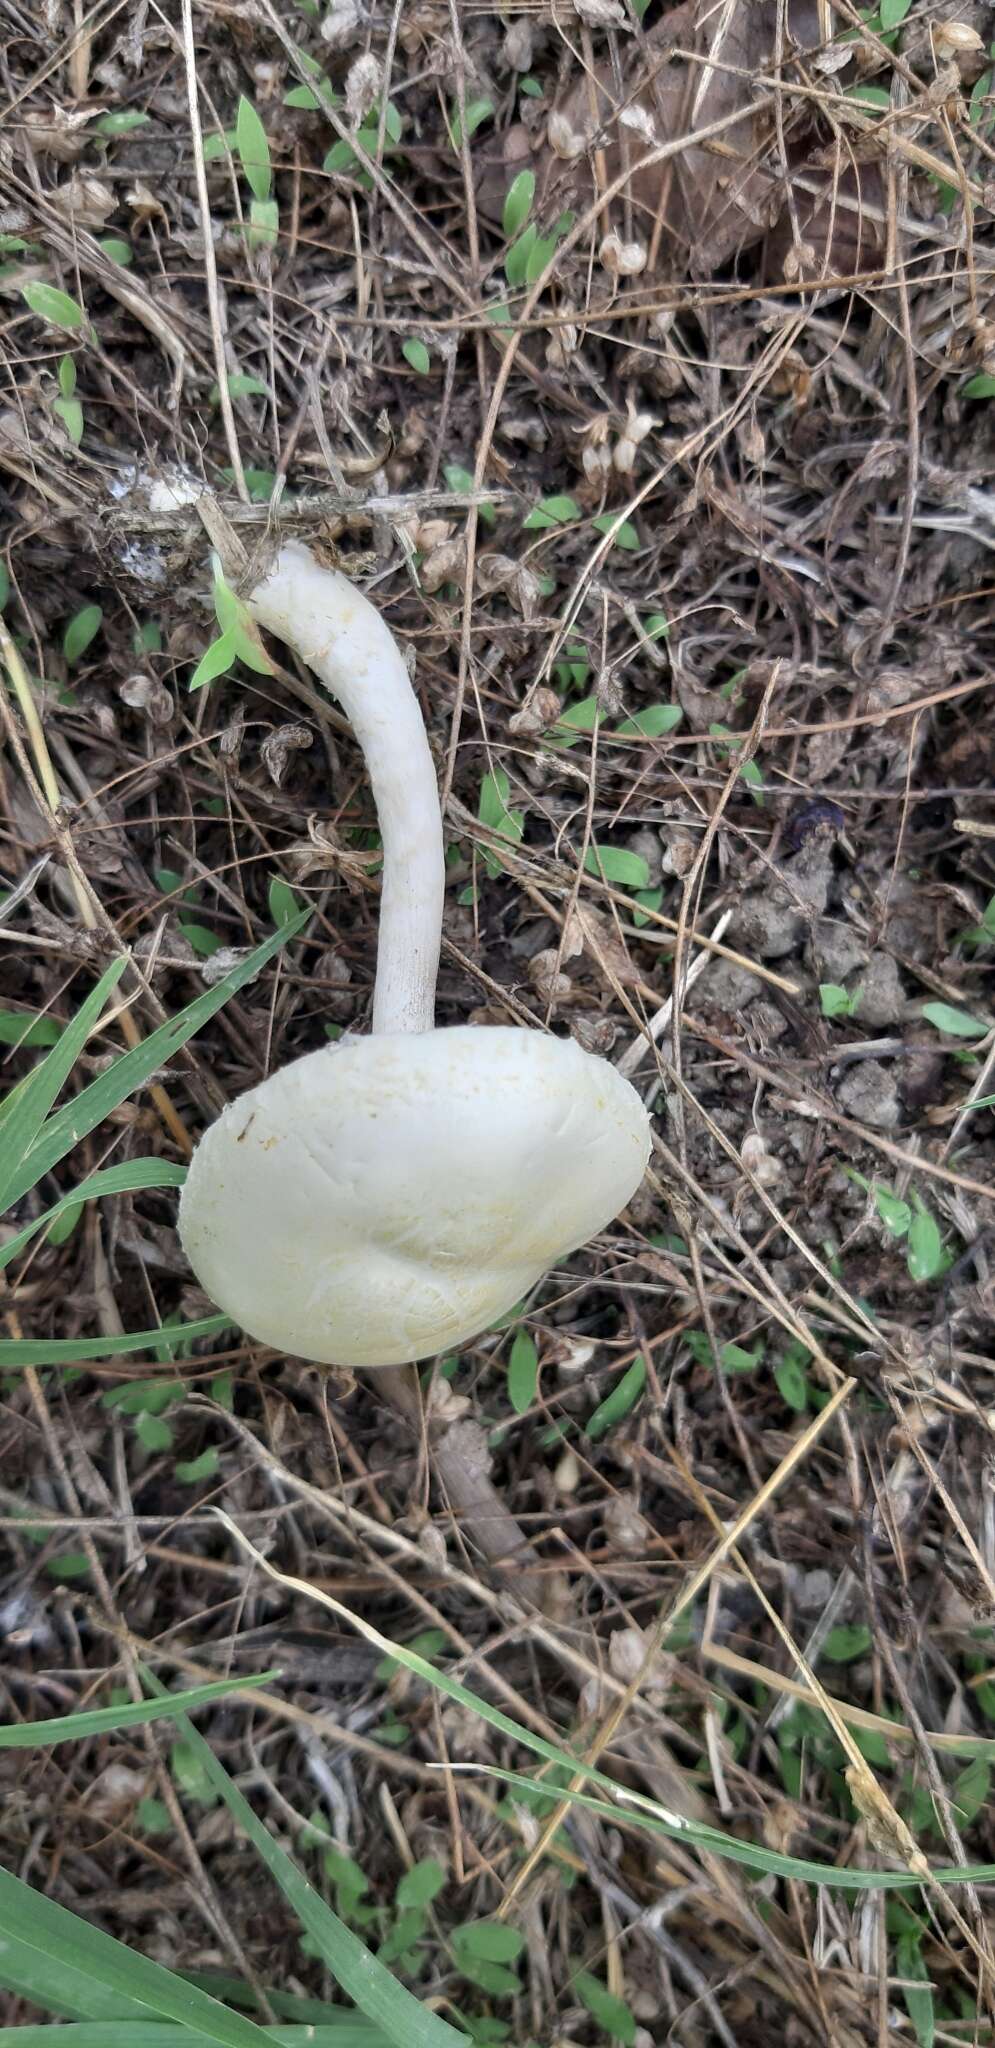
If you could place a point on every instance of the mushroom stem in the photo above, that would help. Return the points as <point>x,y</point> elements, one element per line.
<point>335,629</point>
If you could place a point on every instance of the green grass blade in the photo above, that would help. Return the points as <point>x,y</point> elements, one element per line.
<point>404,2020</point>
<point>58,1988</point>
<point>45,1940</point>
<point>132,1070</point>
<point>287,2005</point>
<point>155,2034</point>
<point>100,1720</point>
<point>72,1350</point>
<point>111,1180</point>
<point>642,1812</point>
<point>32,1101</point>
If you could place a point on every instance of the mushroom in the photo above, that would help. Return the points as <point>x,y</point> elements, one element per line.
<point>388,1197</point>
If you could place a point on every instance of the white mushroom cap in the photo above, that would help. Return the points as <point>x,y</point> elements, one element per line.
<point>389,1197</point>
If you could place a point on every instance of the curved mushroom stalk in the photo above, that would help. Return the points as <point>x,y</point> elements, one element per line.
<point>389,1197</point>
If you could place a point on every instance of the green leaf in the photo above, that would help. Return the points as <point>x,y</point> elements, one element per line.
<point>421,1884</point>
<point>415,353</point>
<point>620,1402</point>
<point>518,204</point>
<point>736,1358</point>
<point>490,1941</point>
<point>252,144</point>
<point>215,661</point>
<point>611,2015</point>
<point>82,628</point>
<point>873,97</point>
<point>65,1223</point>
<point>28,1028</point>
<point>70,413</point>
<point>837,1001</point>
<point>651,724</point>
<point>152,1816</point>
<point>623,534</point>
<point>153,1433</point>
<point>616,864</point>
<point>264,223</point>
<point>67,375</point>
<point>516,262</point>
<point>893,11</point>
<point>523,1373</point>
<point>971,1790</point>
<point>283,904</point>
<point>980,112</point>
<point>73,1564</point>
<point>218,145</point>
<point>791,1376</point>
<point>190,1471</point>
<point>143,1397</point>
<point>477,111</point>
<point>648,900</point>
<point>235,617</point>
<point>493,807</point>
<point>201,938</point>
<point>426,1644</point>
<point>186,1768</point>
<point>925,1257</point>
<point>531,86</point>
<point>909,1964</point>
<point>120,121</point>
<point>580,717</point>
<point>460,479</point>
<point>50,304</point>
<point>240,385</point>
<point>843,1645</point>
<point>118,250</point>
<point>957,1023</point>
<point>894,1213</point>
<point>559,510</point>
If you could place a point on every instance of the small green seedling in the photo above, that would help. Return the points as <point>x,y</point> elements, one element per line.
<point>67,405</point>
<point>523,1373</point>
<point>476,113</point>
<point>956,1023</point>
<point>47,302</point>
<point>237,640</point>
<point>82,628</point>
<point>460,479</point>
<point>747,771</point>
<point>617,865</point>
<point>342,158</point>
<point>416,354</point>
<point>926,1257</point>
<point>837,1001</point>
<point>252,145</point>
<point>609,2013</point>
<point>493,811</point>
